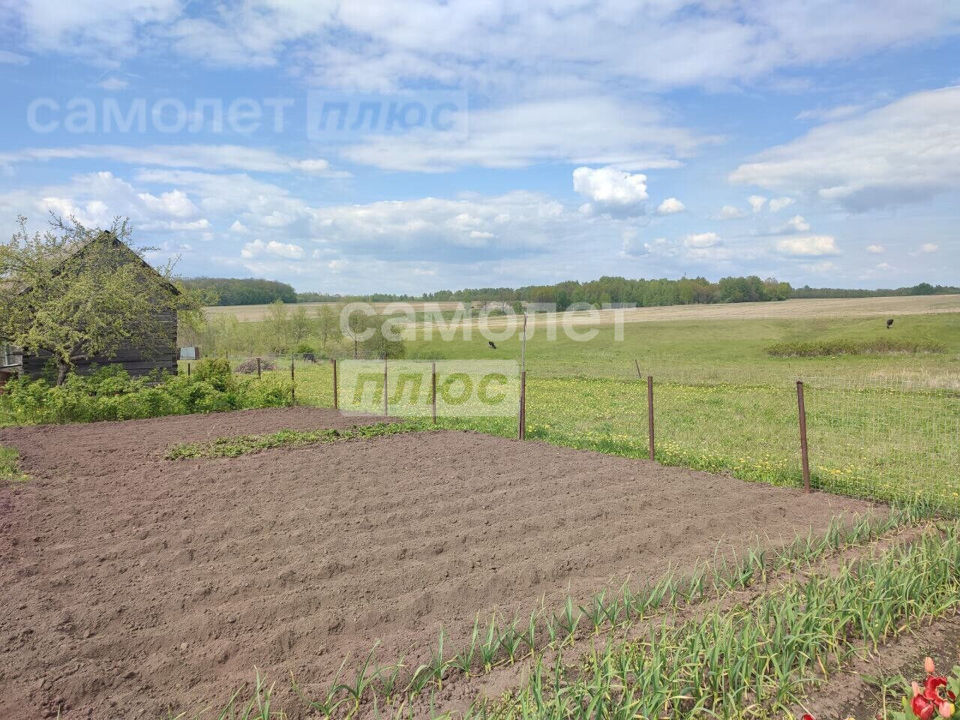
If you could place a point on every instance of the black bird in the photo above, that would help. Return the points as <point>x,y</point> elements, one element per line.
<point>490,343</point>
<point>889,323</point>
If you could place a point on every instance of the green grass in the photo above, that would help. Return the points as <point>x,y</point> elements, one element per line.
<point>10,466</point>
<point>723,351</point>
<point>227,447</point>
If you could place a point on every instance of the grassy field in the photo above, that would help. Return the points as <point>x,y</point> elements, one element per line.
<point>883,426</point>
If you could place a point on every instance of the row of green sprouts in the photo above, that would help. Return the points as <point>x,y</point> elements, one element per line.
<point>495,641</point>
<point>756,660</point>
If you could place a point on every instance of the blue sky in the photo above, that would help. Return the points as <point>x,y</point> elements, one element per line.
<point>407,147</point>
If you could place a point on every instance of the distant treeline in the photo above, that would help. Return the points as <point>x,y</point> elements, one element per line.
<point>612,290</point>
<point>922,289</point>
<point>241,291</point>
<point>606,290</point>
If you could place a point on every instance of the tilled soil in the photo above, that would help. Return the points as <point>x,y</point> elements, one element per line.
<point>131,585</point>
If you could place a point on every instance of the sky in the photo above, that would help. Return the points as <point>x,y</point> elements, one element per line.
<point>353,147</point>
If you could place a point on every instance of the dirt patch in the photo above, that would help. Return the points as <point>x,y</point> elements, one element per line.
<point>131,584</point>
<point>853,692</point>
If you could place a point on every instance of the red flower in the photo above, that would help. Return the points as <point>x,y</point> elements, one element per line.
<point>922,707</point>
<point>931,685</point>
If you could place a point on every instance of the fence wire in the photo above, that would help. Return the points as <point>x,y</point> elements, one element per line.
<point>881,437</point>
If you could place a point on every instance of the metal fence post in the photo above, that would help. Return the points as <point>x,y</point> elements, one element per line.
<point>258,368</point>
<point>637,363</point>
<point>433,387</point>
<point>188,369</point>
<point>650,416</point>
<point>336,403</point>
<point>293,384</point>
<point>804,455</point>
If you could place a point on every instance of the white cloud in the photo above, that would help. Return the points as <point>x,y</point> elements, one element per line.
<point>906,151</point>
<point>206,157</point>
<point>821,268</point>
<point>95,199</point>
<point>701,240</point>
<point>12,58</point>
<point>876,249</point>
<point>594,130</point>
<point>94,29</point>
<point>808,246</point>
<point>778,204</point>
<point>929,248</point>
<point>838,112</point>
<point>380,44</point>
<point>757,202</point>
<point>514,224</point>
<point>258,247</point>
<point>113,83</point>
<point>174,203</point>
<point>670,206</point>
<point>611,190</point>
<point>729,212</point>
<point>796,224</point>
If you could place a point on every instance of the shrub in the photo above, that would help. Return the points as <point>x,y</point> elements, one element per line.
<point>110,393</point>
<point>827,348</point>
<point>249,367</point>
<point>215,371</point>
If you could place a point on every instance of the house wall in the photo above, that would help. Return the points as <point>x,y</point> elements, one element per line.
<point>158,354</point>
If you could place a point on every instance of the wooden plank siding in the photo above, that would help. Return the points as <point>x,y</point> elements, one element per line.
<point>161,354</point>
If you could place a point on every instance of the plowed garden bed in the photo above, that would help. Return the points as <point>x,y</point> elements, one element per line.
<point>132,585</point>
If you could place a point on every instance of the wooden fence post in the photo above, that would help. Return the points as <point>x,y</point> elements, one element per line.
<point>650,415</point>
<point>336,402</point>
<point>433,386</point>
<point>258,368</point>
<point>293,384</point>
<point>522,431</point>
<point>804,455</point>
<point>385,405</point>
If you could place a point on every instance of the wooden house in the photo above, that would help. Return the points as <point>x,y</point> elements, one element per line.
<point>158,352</point>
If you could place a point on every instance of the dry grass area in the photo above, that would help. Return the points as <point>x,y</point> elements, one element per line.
<point>815,308</point>
<point>256,313</point>
<point>789,309</point>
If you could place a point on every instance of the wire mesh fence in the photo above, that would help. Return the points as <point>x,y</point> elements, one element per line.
<point>891,439</point>
<point>880,437</point>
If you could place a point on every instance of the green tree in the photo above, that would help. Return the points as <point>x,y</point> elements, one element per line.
<point>383,343</point>
<point>278,326</point>
<point>300,325</point>
<point>328,326</point>
<point>79,293</point>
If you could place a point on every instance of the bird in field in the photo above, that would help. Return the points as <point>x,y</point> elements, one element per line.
<point>889,323</point>
<point>490,343</point>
